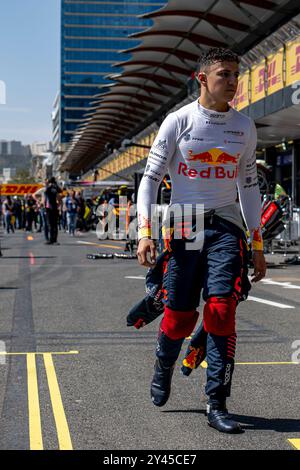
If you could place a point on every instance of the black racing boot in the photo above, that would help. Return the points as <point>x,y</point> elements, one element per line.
<point>218,418</point>
<point>161,383</point>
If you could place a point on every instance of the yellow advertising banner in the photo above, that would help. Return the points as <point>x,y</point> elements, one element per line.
<point>19,189</point>
<point>275,71</point>
<point>241,99</point>
<point>258,85</point>
<point>292,61</point>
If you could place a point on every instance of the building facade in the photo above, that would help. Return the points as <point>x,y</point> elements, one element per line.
<point>39,148</point>
<point>14,156</point>
<point>92,34</point>
<point>8,174</point>
<point>13,147</point>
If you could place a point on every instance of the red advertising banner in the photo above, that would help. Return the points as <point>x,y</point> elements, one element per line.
<point>19,189</point>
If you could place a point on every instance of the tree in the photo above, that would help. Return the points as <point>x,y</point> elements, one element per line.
<point>23,176</point>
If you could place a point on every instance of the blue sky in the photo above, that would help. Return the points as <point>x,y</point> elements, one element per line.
<point>29,66</point>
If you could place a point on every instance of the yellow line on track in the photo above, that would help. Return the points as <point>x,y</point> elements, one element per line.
<point>111,246</point>
<point>295,443</point>
<point>63,434</point>
<point>35,428</point>
<point>116,247</point>
<point>37,353</point>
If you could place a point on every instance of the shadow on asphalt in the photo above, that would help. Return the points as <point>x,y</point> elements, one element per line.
<point>276,424</point>
<point>201,412</point>
<point>255,422</point>
<point>8,288</point>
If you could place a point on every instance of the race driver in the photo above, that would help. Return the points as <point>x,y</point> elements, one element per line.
<point>208,149</point>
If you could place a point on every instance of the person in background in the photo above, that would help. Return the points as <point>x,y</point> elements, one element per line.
<point>81,211</point>
<point>51,203</point>
<point>60,214</point>
<point>38,215</point>
<point>18,212</point>
<point>72,209</point>
<point>1,214</point>
<point>30,205</point>
<point>23,214</point>
<point>64,221</point>
<point>8,212</point>
<point>44,219</point>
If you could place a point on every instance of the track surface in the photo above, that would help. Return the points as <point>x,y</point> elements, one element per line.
<point>77,377</point>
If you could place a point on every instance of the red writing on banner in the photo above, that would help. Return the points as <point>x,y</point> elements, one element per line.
<point>239,97</point>
<point>272,77</point>
<point>10,189</point>
<point>261,81</point>
<point>296,67</point>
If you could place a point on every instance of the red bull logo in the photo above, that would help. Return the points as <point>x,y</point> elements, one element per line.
<point>226,158</point>
<point>204,157</point>
<point>191,359</point>
<point>219,172</point>
<point>213,156</point>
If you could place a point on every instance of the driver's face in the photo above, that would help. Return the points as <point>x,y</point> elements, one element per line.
<point>221,80</point>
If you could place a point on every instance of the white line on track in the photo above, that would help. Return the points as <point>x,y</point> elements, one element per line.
<point>135,277</point>
<point>269,302</point>
<point>255,299</point>
<point>285,285</point>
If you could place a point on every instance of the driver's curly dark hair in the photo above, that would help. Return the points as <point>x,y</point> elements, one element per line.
<point>217,54</point>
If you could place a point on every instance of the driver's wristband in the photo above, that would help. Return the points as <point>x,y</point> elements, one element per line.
<point>144,232</point>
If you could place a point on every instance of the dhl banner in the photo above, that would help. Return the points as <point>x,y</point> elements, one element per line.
<point>275,72</point>
<point>292,52</point>
<point>19,189</point>
<point>241,99</point>
<point>258,85</point>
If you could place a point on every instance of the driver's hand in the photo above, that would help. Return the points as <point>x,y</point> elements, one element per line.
<point>260,266</point>
<point>146,246</point>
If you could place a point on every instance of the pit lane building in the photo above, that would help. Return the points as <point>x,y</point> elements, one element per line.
<point>160,77</point>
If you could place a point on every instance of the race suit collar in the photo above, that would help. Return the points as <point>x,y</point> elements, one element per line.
<point>212,114</point>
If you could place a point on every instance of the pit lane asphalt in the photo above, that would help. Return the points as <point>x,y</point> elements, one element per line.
<point>53,299</point>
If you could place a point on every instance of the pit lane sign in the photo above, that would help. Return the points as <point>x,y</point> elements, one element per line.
<point>19,189</point>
